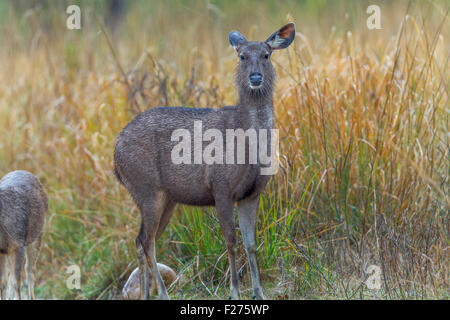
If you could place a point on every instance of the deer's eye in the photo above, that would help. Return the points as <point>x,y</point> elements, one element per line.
<point>266,56</point>
<point>242,57</point>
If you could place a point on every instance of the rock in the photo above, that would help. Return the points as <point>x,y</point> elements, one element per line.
<point>131,289</point>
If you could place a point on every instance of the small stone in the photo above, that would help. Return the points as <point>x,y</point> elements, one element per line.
<point>131,289</point>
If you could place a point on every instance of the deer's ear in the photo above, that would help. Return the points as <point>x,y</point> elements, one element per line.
<point>236,39</point>
<point>283,37</point>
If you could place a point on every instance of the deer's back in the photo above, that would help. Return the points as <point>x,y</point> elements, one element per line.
<point>23,204</point>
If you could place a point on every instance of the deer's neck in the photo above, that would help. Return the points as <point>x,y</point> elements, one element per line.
<point>255,109</point>
<point>1,202</point>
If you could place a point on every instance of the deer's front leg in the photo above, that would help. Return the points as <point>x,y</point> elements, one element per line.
<point>225,212</point>
<point>247,210</point>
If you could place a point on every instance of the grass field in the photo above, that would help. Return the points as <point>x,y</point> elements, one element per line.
<point>364,141</point>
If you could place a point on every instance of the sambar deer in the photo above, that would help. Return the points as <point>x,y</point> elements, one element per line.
<point>143,161</point>
<point>23,205</point>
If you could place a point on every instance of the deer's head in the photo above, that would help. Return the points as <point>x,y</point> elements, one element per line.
<point>255,72</point>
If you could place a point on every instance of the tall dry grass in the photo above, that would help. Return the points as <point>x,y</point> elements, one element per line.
<point>363,119</point>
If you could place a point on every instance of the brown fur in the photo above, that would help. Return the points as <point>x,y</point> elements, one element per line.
<point>285,32</point>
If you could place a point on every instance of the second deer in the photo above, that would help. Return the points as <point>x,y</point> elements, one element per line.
<point>23,205</point>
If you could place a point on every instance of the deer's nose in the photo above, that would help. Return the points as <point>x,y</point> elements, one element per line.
<point>256,79</point>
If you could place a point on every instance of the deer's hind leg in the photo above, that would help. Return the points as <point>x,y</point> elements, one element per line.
<point>165,218</point>
<point>3,276</point>
<point>15,276</point>
<point>31,255</point>
<point>152,207</point>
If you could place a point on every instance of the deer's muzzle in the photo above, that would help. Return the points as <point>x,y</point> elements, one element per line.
<point>256,80</point>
